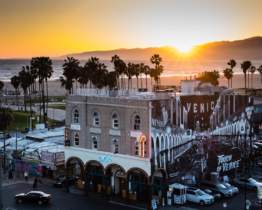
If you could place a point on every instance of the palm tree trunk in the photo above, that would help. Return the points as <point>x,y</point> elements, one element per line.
<point>137,85</point>
<point>146,81</point>
<point>25,100</point>
<point>228,83</point>
<point>46,97</point>
<point>141,82</point>
<point>245,76</point>
<point>40,106</point>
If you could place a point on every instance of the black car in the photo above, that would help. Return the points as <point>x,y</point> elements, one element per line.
<point>33,197</point>
<point>61,181</point>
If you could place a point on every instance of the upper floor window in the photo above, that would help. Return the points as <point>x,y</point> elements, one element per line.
<point>140,146</point>
<point>94,142</point>
<point>115,146</point>
<point>115,121</point>
<point>137,123</point>
<point>96,119</point>
<point>76,139</point>
<point>76,116</point>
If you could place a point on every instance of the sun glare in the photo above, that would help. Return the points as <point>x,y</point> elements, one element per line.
<point>184,47</point>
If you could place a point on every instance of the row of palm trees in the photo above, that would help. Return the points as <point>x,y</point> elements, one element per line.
<point>247,68</point>
<point>39,70</point>
<point>95,74</point>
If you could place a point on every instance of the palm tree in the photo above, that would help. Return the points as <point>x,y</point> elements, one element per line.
<point>111,79</point>
<point>120,68</point>
<point>156,60</point>
<point>260,72</point>
<point>146,72</point>
<point>232,63</point>
<point>245,66</point>
<point>43,66</point>
<point>1,86</point>
<point>136,74</point>
<point>130,73</point>
<point>71,71</point>
<point>252,71</point>
<point>15,81</point>
<point>1,89</point>
<point>25,82</point>
<point>228,74</point>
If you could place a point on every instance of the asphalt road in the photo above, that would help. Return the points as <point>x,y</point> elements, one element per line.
<point>68,201</point>
<point>60,200</point>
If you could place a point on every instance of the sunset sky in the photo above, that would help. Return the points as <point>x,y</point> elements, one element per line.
<point>56,27</point>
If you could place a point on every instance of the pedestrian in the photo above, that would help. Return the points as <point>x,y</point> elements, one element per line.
<point>35,184</point>
<point>26,176</point>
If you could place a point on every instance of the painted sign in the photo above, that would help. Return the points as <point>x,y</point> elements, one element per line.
<point>161,113</point>
<point>226,163</point>
<point>196,110</point>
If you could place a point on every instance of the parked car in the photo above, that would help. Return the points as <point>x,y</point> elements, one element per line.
<point>234,188</point>
<point>216,195</point>
<point>33,197</point>
<point>250,183</point>
<point>196,195</point>
<point>219,188</point>
<point>61,181</point>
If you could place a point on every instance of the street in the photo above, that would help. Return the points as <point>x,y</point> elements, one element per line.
<point>75,201</point>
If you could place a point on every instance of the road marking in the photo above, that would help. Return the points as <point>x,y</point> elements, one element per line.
<point>126,205</point>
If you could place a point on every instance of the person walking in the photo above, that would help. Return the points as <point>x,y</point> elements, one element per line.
<point>26,176</point>
<point>35,183</point>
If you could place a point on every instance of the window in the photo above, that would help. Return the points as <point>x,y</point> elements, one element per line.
<point>96,120</point>
<point>137,123</point>
<point>94,143</point>
<point>115,146</point>
<point>115,121</point>
<point>140,146</point>
<point>76,116</point>
<point>76,139</point>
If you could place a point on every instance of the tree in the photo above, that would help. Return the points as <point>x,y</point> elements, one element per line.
<point>245,66</point>
<point>232,63</point>
<point>44,69</point>
<point>15,81</point>
<point>25,82</point>
<point>136,74</point>
<point>252,71</point>
<point>228,74</point>
<point>130,72</point>
<point>1,86</point>
<point>158,70</point>
<point>209,76</point>
<point>120,68</point>
<point>260,72</point>
<point>146,72</point>
<point>111,80</point>
<point>1,89</point>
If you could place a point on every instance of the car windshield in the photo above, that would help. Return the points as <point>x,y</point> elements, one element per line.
<point>208,191</point>
<point>227,184</point>
<point>200,192</point>
<point>251,180</point>
<point>221,186</point>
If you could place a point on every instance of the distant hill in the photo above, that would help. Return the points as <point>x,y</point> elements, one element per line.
<point>250,49</point>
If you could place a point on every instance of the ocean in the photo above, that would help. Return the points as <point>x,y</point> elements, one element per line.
<point>174,71</point>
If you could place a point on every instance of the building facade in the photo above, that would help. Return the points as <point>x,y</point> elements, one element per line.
<point>123,142</point>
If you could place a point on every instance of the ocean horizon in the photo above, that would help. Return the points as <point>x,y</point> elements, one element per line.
<point>11,67</point>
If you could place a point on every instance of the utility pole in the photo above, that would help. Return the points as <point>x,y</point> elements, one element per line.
<point>1,200</point>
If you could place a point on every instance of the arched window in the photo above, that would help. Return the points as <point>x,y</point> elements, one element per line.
<point>96,119</point>
<point>76,116</point>
<point>115,146</point>
<point>137,123</point>
<point>140,147</point>
<point>115,121</point>
<point>94,143</point>
<point>76,139</point>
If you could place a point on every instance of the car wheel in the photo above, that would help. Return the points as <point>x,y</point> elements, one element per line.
<point>40,202</point>
<point>19,201</point>
<point>202,203</point>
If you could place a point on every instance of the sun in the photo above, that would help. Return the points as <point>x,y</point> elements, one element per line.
<point>184,47</point>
